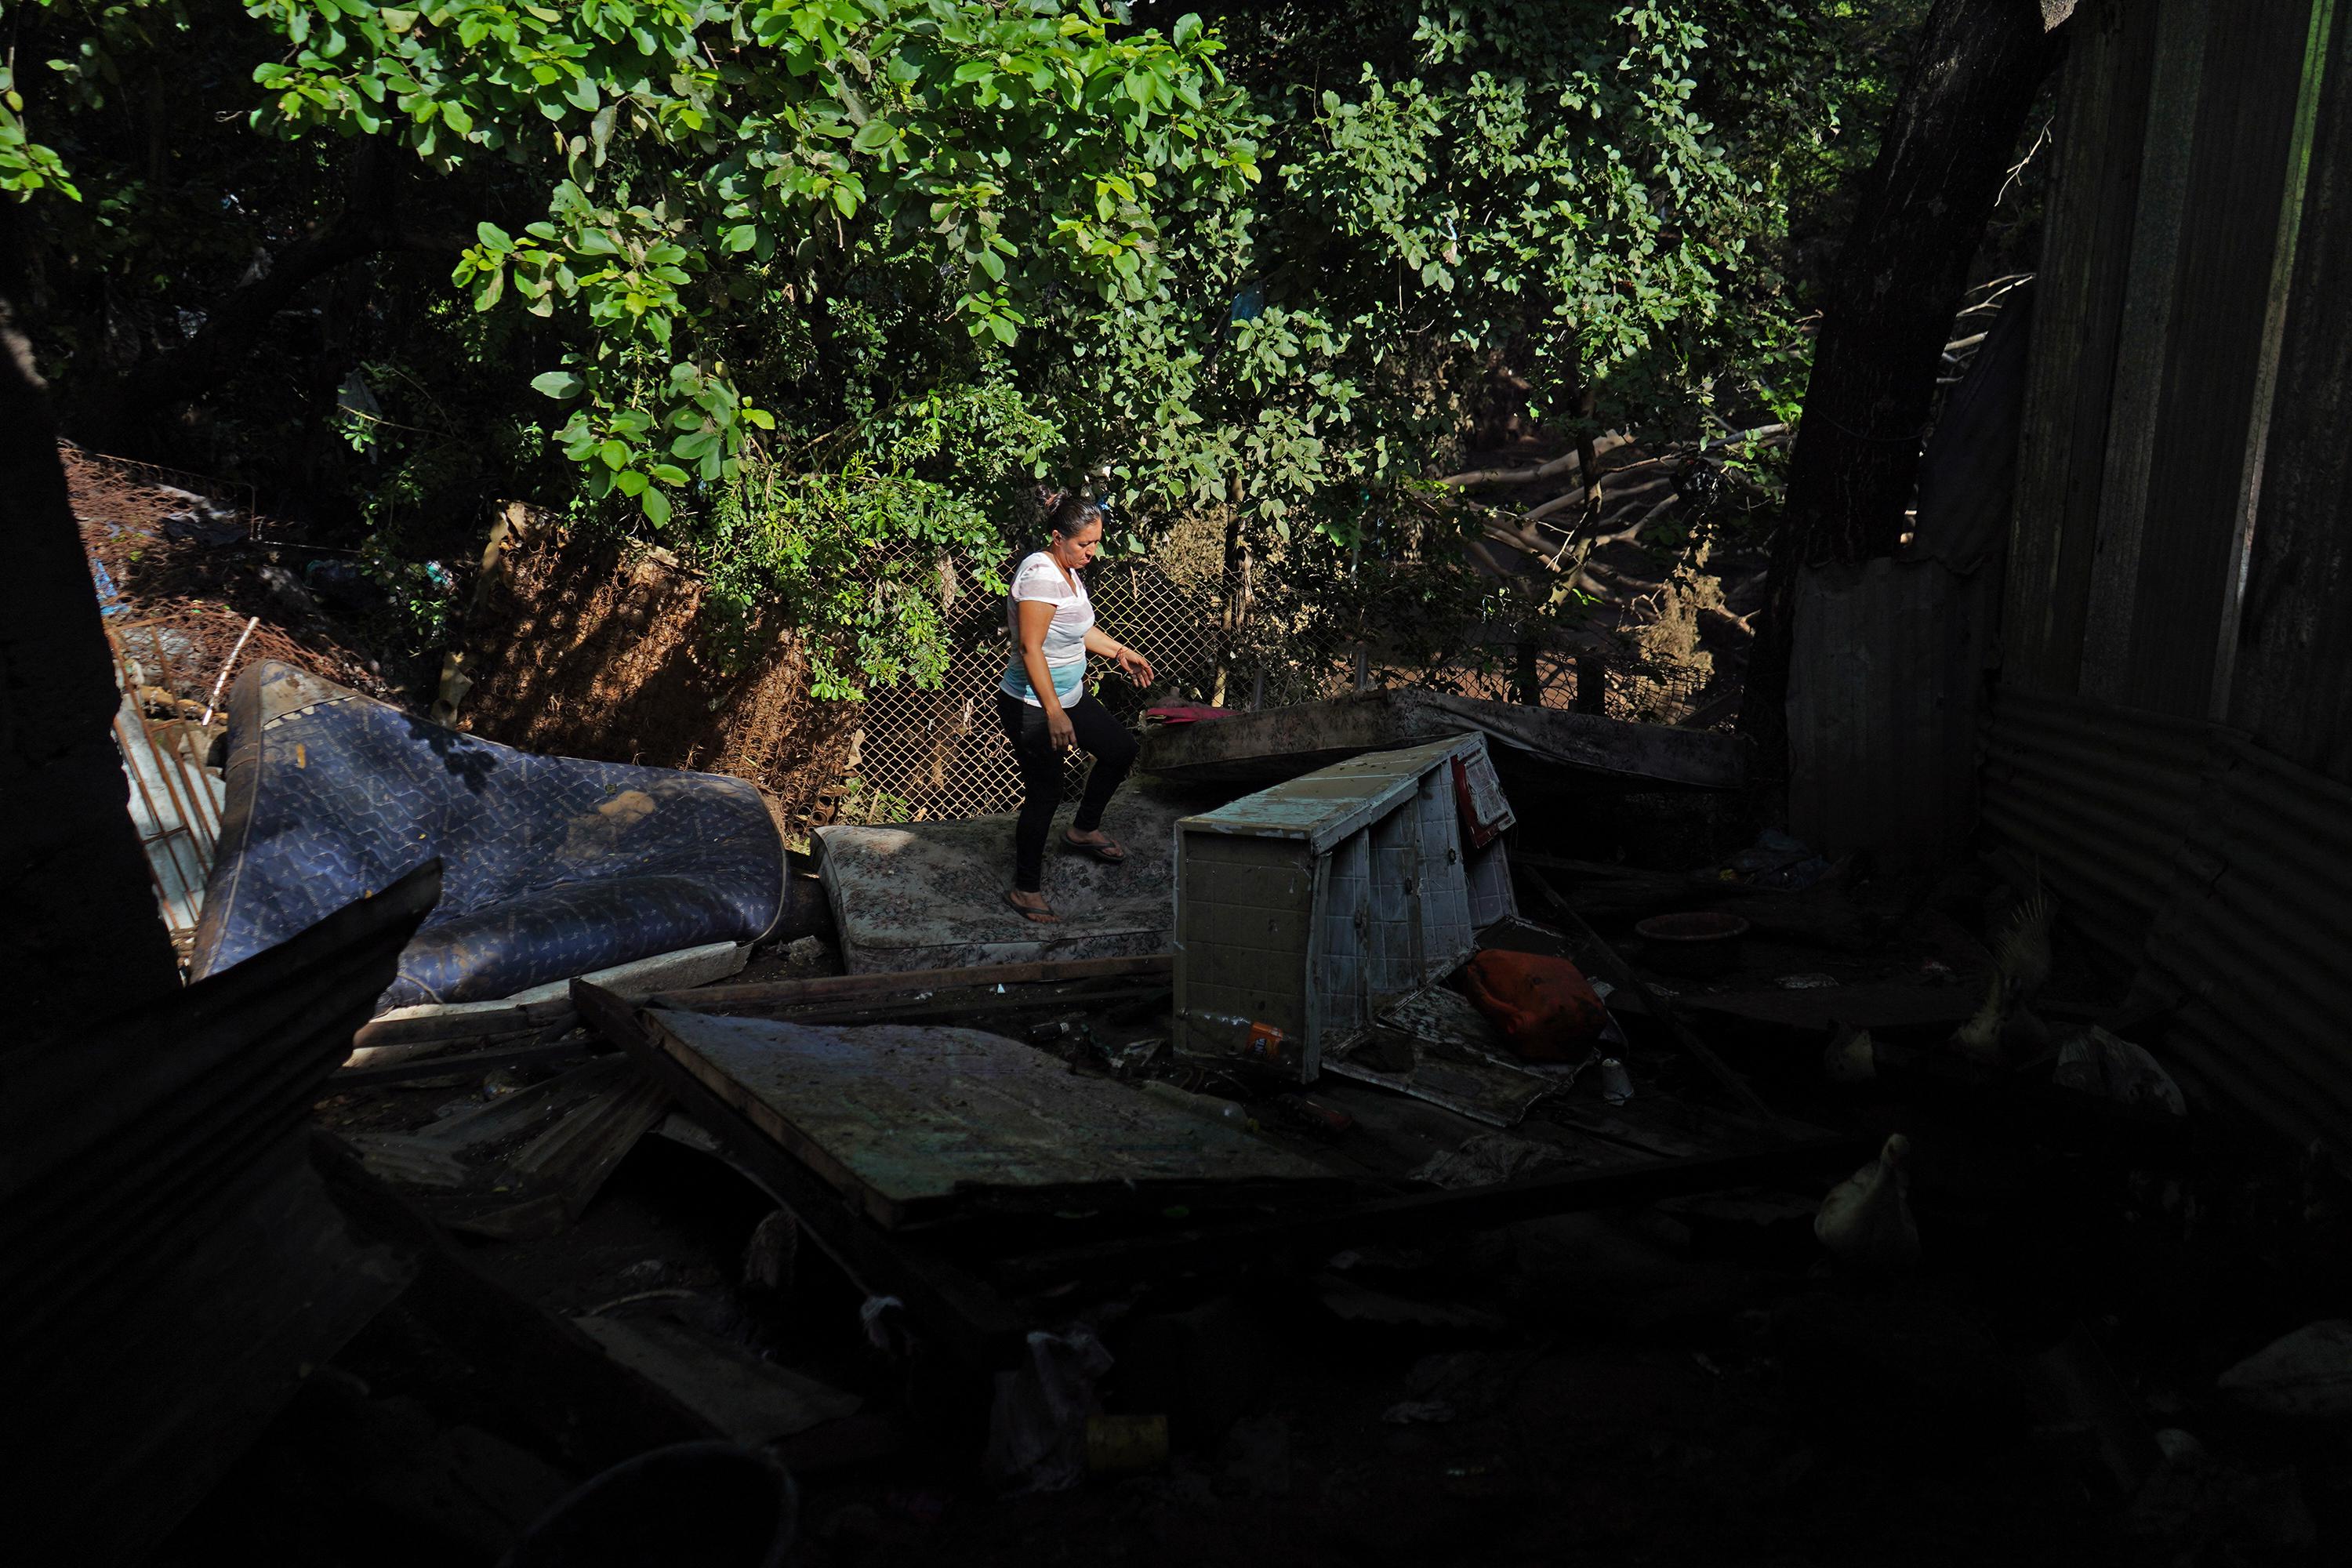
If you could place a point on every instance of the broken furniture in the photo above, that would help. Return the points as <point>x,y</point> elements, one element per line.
<point>1312,905</point>
<point>555,866</point>
<point>1529,744</point>
<point>930,895</point>
<point>983,1182</point>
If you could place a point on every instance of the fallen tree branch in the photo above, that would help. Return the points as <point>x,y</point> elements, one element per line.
<point>1601,446</point>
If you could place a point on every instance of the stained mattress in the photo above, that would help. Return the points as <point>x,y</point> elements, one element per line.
<point>552,866</point>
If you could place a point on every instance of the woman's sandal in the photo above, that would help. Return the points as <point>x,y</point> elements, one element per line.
<point>1044,917</point>
<point>1111,852</point>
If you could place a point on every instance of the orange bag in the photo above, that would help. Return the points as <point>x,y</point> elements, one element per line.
<point>1544,1006</point>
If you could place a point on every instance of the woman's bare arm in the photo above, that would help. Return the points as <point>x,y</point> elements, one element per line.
<point>1131,664</point>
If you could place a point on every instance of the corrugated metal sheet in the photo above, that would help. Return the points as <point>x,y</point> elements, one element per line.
<point>2220,874</point>
<point>2251,942</point>
<point>2099,799</point>
<point>2077,316</point>
<point>2292,685</point>
<point>1883,690</point>
<point>2155,615</point>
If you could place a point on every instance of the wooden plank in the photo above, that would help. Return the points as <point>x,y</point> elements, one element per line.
<point>751,1401</point>
<point>1429,1213</point>
<point>462,1064</point>
<point>405,1032</point>
<point>770,994</point>
<point>973,1320</point>
<point>563,1169</point>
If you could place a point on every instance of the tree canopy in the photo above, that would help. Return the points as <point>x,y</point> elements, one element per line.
<point>781,283</point>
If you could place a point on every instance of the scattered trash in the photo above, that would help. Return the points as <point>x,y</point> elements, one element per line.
<point>1616,1083</point>
<point>1775,860</point>
<point>1359,1303</point>
<point>1806,981</point>
<point>1489,1160</point>
<point>1416,1412</point>
<point>1543,1004</point>
<point>2307,1373</point>
<point>713,1504</point>
<point>874,1317</point>
<point>342,585</point>
<point>1257,1457</point>
<point>1038,1430</point>
<point>2003,1026</point>
<point>205,522</point>
<point>1852,1056</point>
<point>1248,1040</point>
<point>750,1400</point>
<point>1209,1105</point>
<point>2096,1062</point>
<point>1867,1219</point>
<point>1126,1445</point>
<point>1328,1121</point>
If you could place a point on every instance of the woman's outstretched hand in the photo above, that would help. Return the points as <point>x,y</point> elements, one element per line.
<point>1134,666</point>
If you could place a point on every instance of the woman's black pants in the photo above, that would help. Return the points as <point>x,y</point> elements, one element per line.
<point>1110,743</point>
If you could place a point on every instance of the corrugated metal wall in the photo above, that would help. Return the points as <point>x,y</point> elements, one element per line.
<point>2181,551</point>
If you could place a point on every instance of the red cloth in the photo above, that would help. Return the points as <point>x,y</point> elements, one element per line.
<point>1181,713</point>
<point>1544,1006</point>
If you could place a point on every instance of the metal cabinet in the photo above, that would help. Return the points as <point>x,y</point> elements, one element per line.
<point>1312,905</point>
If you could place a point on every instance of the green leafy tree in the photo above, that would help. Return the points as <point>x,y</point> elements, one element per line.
<point>789,282</point>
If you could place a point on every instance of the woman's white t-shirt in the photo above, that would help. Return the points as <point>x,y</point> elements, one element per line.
<point>1040,577</point>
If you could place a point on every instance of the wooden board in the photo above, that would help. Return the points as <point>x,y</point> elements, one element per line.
<point>902,1120</point>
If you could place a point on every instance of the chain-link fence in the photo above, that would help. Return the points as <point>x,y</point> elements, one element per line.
<point>934,754</point>
<point>941,754</point>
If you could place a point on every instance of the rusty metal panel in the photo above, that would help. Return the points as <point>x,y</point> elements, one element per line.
<point>2250,943</point>
<point>903,1119</point>
<point>2077,316</point>
<point>2098,799</point>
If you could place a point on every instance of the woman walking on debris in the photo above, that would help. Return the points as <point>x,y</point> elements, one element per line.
<point>1044,707</point>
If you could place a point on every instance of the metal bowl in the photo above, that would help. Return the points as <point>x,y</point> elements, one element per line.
<point>1698,942</point>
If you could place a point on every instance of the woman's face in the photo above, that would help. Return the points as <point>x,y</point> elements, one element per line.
<point>1076,550</point>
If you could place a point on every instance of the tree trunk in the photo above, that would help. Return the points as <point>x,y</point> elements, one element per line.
<point>1947,149</point>
<point>84,935</point>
